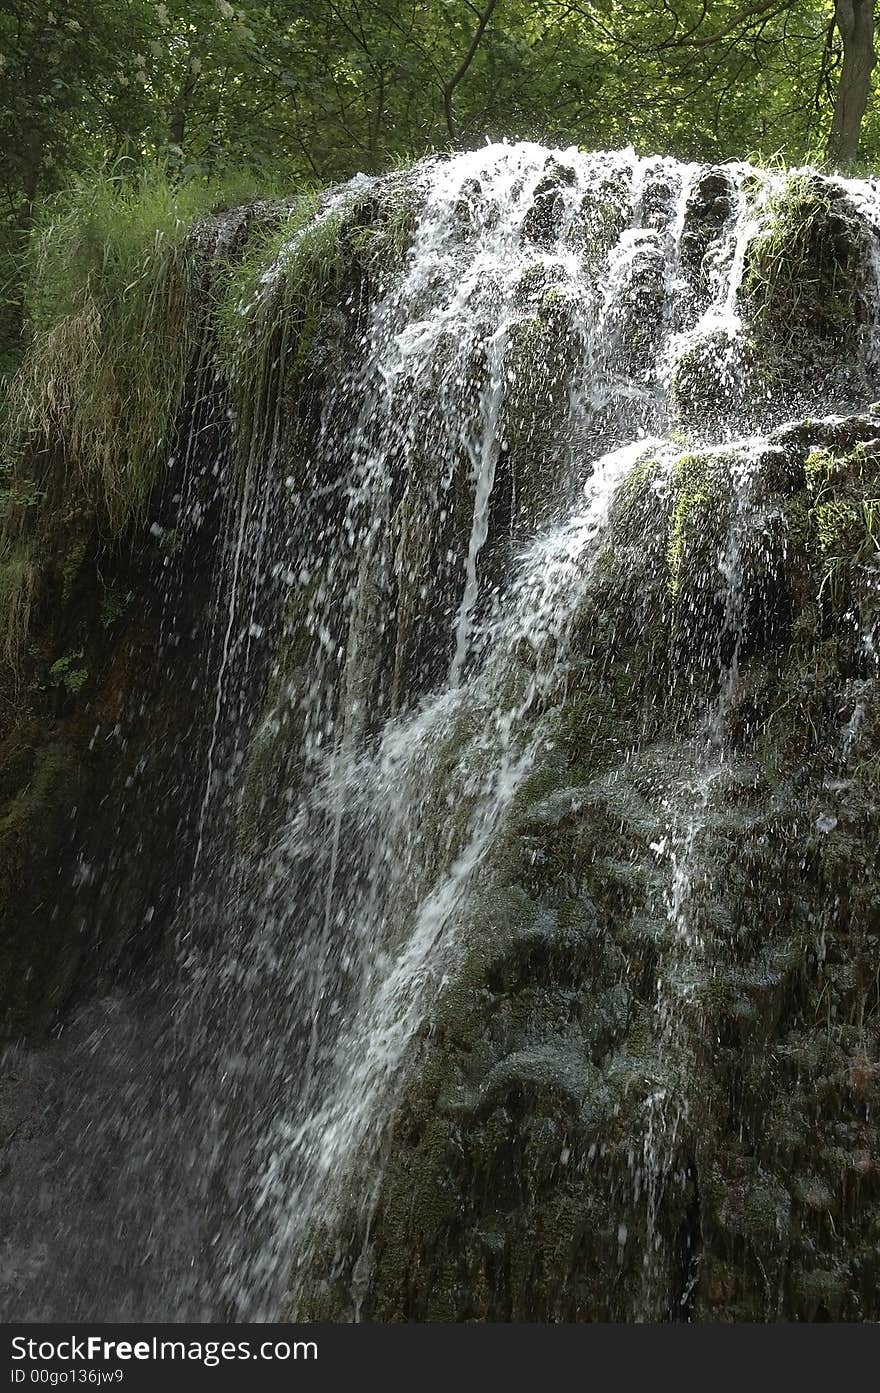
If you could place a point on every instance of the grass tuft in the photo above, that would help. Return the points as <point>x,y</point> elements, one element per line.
<point>18,578</point>
<point>126,294</point>
<point>845,513</point>
<point>112,308</point>
<point>691,479</point>
<point>803,269</point>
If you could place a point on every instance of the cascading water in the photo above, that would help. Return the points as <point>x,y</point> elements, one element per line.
<point>401,617</point>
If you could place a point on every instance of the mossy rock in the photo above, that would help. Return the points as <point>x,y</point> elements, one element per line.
<point>803,270</point>
<point>613,1072</point>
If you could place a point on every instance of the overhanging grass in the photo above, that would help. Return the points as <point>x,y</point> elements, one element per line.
<point>17,584</point>
<point>113,315</point>
<point>274,299</point>
<point>121,300</point>
<point>845,514</point>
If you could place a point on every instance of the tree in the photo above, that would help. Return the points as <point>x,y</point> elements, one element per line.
<point>773,32</point>
<point>855,21</point>
<point>461,71</point>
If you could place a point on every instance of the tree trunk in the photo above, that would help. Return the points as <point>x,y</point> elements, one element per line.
<point>855,20</point>
<point>177,123</point>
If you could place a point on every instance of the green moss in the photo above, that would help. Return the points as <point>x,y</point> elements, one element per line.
<point>819,468</point>
<point>803,268</point>
<point>845,515</point>
<point>275,300</point>
<point>767,1208</point>
<point>72,565</point>
<point>17,496</point>
<point>837,526</point>
<point>115,600</point>
<point>53,766</point>
<point>693,492</point>
<point>632,496</point>
<point>380,246</point>
<point>279,286</point>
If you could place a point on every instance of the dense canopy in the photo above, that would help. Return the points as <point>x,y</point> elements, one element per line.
<point>326,87</point>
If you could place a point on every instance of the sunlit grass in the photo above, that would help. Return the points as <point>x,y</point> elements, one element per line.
<point>113,312</point>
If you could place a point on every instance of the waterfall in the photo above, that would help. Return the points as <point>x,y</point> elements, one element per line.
<point>542,433</point>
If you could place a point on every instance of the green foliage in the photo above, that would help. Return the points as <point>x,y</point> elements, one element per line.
<point>295,260</point>
<point>846,516</point>
<point>380,246</point>
<point>16,497</point>
<point>115,600</point>
<point>819,468</point>
<point>270,310</point>
<point>118,304</point>
<point>63,673</point>
<point>273,300</point>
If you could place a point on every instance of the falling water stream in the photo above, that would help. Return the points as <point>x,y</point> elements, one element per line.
<point>393,614</point>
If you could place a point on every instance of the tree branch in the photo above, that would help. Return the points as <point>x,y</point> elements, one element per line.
<point>745,18</point>
<point>450,86</point>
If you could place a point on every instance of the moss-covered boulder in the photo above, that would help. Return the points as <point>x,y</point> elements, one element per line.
<point>649,1089</point>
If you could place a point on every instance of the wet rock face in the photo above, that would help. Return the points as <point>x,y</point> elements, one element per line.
<point>626,1107</point>
<point>543,221</point>
<point>711,203</point>
<point>98,725</point>
<point>484,766</point>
